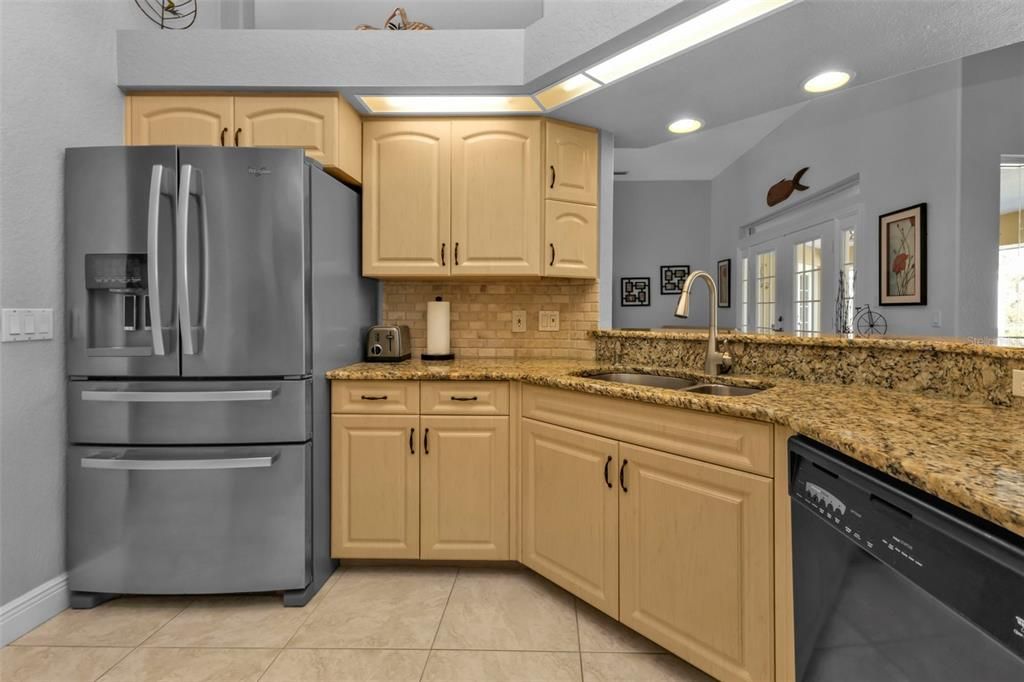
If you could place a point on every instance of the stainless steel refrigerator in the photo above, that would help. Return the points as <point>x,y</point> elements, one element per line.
<point>208,290</point>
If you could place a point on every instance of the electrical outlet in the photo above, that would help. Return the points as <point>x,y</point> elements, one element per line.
<point>548,321</point>
<point>1018,383</point>
<point>518,321</point>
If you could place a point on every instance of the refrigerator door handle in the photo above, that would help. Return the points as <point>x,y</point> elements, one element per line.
<point>190,336</point>
<point>178,396</point>
<point>111,461</point>
<point>157,188</point>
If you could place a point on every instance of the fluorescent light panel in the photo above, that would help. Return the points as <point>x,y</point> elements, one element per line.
<point>703,27</point>
<point>450,104</point>
<point>566,91</point>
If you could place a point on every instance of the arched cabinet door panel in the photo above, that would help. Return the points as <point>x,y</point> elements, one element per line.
<point>307,122</point>
<point>184,120</point>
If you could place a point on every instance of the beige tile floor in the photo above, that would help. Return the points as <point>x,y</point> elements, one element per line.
<point>368,623</point>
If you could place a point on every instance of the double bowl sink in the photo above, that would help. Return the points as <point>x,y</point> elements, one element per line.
<point>676,383</point>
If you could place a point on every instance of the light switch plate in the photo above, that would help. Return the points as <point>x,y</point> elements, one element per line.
<point>548,321</point>
<point>1018,383</point>
<point>518,321</point>
<point>26,324</point>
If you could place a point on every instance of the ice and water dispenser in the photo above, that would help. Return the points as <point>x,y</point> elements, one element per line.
<point>118,309</point>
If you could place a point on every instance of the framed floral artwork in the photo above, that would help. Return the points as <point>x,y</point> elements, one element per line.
<point>902,251</point>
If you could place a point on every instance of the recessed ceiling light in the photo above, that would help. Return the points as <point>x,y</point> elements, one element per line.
<point>828,80</point>
<point>685,125</point>
<point>704,26</point>
<point>569,89</point>
<point>453,104</point>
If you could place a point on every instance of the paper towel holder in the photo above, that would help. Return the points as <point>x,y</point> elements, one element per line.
<point>437,356</point>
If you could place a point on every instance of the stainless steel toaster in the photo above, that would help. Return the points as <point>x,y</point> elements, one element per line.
<point>388,343</point>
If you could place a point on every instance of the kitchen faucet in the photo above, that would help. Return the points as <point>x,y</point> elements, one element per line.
<point>715,362</point>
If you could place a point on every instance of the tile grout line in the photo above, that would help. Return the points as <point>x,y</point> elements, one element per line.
<point>579,637</point>
<point>439,622</point>
<point>305,620</point>
<point>165,624</point>
<point>114,664</point>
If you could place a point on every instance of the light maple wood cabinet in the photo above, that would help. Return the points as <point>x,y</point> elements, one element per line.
<point>695,561</point>
<point>464,488</point>
<point>407,198</point>
<point>570,513</point>
<point>420,486</point>
<point>468,198</point>
<point>571,157</point>
<point>325,126</point>
<point>179,120</point>
<point>570,232</point>
<point>496,209</point>
<point>375,487</point>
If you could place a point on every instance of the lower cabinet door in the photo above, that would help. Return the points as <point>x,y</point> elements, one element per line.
<point>695,548</point>
<point>464,488</point>
<point>375,487</point>
<point>570,514</point>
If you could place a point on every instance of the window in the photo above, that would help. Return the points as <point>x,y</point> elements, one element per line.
<point>765,291</point>
<point>1010,302</point>
<point>848,273</point>
<point>807,286</point>
<point>744,292</point>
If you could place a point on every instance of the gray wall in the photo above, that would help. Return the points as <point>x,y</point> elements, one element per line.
<point>902,136</point>
<point>57,69</point>
<point>992,124</point>
<point>660,223</point>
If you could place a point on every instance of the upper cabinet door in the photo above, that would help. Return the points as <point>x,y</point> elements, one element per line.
<point>570,237</point>
<point>307,122</point>
<point>571,160</point>
<point>695,551</point>
<point>496,208</point>
<point>179,120</point>
<point>407,198</point>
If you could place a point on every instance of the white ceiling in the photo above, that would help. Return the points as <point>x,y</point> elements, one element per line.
<point>700,156</point>
<point>761,67</point>
<point>440,14</point>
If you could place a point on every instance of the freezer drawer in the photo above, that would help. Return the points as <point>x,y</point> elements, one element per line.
<point>189,412</point>
<point>188,520</point>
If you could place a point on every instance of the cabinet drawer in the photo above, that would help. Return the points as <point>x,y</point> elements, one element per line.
<point>375,397</point>
<point>732,442</point>
<point>464,397</point>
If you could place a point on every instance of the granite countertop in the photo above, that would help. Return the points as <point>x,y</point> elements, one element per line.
<point>966,453</point>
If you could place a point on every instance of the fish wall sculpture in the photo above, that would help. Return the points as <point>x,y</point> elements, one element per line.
<point>783,189</point>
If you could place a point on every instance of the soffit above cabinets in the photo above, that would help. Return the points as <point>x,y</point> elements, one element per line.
<point>757,68</point>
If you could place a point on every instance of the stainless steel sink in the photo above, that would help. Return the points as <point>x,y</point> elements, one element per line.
<point>654,380</point>
<point>723,390</point>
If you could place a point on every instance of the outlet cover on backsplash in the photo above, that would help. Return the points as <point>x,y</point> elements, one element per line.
<point>548,321</point>
<point>518,321</point>
<point>1018,383</point>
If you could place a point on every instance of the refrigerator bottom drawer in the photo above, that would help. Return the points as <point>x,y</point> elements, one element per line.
<point>149,520</point>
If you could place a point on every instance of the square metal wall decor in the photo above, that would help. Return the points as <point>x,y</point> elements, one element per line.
<point>672,278</point>
<point>636,291</point>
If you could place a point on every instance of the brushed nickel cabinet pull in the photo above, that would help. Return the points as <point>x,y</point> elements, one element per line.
<point>463,398</point>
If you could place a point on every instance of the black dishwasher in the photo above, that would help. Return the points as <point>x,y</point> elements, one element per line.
<point>891,583</point>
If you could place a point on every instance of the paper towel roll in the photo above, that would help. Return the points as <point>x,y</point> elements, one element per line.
<point>438,327</point>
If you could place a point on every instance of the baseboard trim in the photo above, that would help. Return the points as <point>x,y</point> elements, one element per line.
<point>33,608</point>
